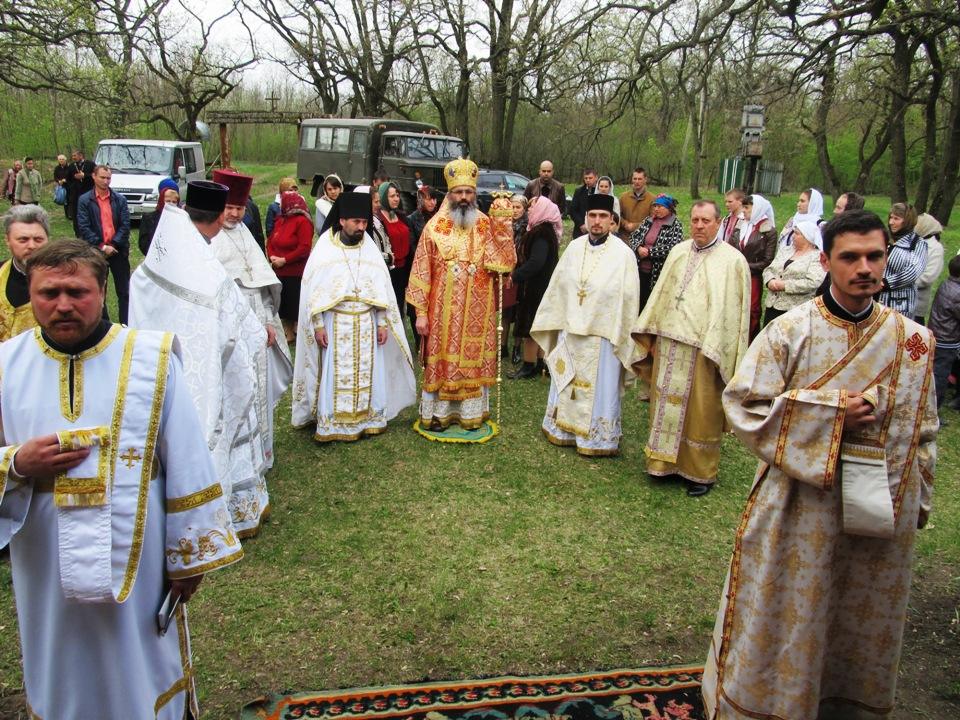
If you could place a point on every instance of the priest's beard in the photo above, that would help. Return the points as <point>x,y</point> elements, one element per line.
<point>351,240</point>
<point>229,225</point>
<point>463,213</point>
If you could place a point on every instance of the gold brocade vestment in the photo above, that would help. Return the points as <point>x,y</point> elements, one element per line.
<point>452,282</point>
<point>13,320</point>
<point>812,616</point>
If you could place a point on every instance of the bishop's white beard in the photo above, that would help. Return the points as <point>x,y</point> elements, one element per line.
<point>463,217</point>
<point>228,226</point>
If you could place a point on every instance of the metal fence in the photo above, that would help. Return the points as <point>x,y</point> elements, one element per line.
<point>769,176</point>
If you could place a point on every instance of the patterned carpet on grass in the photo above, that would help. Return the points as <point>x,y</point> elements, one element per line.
<point>663,693</point>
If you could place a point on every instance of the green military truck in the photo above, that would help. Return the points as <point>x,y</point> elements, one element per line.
<point>411,153</point>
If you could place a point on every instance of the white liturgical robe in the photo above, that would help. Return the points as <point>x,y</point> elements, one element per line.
<point>355,385</point>
<point>91,550</point>
<point>245,262</point>
<point>181,287</point>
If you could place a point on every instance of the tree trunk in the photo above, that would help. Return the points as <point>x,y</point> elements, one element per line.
<point>930,117</point>
<point>821,118</point>
<point>899,102</point>
<point>948,185</point>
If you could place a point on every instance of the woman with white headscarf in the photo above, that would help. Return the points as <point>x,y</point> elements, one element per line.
<point>605,187</point>
<point>795,273</point>
<point>756,238</point>
<point>809,208</point>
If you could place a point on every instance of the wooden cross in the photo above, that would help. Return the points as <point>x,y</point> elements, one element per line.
<point>131,457</point>
<point>273,102</point>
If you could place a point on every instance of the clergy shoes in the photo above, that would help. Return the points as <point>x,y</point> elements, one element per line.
<point>525,372</point>
<point>695,489</point>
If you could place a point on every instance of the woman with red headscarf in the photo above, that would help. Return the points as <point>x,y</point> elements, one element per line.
<point>288,249</point>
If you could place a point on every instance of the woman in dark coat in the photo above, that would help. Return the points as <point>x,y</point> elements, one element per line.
<point>537,257</point>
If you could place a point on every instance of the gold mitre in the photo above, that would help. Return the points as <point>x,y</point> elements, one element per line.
<point>461,172</point>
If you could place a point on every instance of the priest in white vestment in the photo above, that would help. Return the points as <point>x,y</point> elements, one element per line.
<point>181,287</point>
<point>245,262</point>
<point>836,399</point>
<point>353,370</point>
<point>583,325</point>
<point>108,499</point>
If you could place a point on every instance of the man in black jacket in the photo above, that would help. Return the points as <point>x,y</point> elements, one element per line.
<point>104,222</point>
<point>79,181</point>
<point>578,205</point>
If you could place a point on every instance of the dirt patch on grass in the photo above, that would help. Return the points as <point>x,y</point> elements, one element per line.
<point>929,686</point>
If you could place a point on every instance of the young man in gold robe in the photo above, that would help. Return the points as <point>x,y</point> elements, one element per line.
<point>836,399</point>
<point>453,288</point>
<point>692,335</point>
<point>583,325</point>
<point>27,228</point>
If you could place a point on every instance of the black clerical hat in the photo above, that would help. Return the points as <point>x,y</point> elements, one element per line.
<point>599,201</point>
<point>203,195</point>
<point>349,205</point>
<point>354,205</point>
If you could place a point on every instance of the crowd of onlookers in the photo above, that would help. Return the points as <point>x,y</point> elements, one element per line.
<point>784,264</point>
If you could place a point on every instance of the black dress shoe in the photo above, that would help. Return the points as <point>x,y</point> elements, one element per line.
<point>695,489</point>
<point>525,372</point>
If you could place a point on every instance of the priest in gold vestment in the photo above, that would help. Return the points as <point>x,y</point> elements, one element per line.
<point>583,325</point>
<point>27,228</point>
<point>836,399</point>
<point>453,285</point>
<point>692,334</point>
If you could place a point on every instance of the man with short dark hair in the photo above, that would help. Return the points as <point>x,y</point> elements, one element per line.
<point>104,222</point>
<point>79,181</point>
<point>635,203</point>
<point>545,185</point>
<point>836,399</point>
<point>182,287</point>
<point>27,228</point>
<point>583,327</point>
<point>108,499</point>
<point>29,184</point>
<point>578,204</point>
<point>692,334</point>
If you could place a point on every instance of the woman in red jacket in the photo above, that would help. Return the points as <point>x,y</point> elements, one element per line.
<point>395,223</point>
<point>288,249</point>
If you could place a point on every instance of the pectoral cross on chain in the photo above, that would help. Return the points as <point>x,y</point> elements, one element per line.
<point>582,294</point>
<point>131,457</point>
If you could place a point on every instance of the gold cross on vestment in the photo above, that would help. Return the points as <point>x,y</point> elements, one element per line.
<point>582,294</point>
<point>131,457</point>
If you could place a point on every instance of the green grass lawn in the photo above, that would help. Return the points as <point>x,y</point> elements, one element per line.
<point>394,558</point>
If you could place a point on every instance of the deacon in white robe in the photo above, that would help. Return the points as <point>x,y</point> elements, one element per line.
<point>837,401</point>
<point>181,287</point>
<point>245,262</point>
<point>583,325</point>
<point>95,546</point>
<point>353,370</point>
